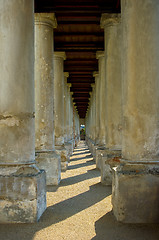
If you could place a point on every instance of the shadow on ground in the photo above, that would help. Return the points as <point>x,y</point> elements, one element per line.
<point>81,152</point>
<point>107,228</point>
<point>55,214</point>
<point>89,156</point>
<point>62,210</point>
<point>88,163</point>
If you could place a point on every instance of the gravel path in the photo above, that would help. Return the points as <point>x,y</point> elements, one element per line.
<point>79,209</point>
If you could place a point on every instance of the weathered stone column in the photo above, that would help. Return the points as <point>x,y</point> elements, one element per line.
<point>66,107</point>
<point>100,55</point>
<point>88,127</point>
<point>68,144</point>
<point>22,184</point>
<point>97,106</point>
<point>91,140</point>
<point>93,112</point>
<point>93,122</point>
<point>72,120</point>
<point>113,95</point>
<point>46,157</point>
<point>101,95</point>
<point>77,134</point>
<point>136,180</point>
<point>59,57</point>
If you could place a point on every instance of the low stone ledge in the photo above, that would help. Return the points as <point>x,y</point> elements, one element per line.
<point>135,191</point>
<point>63,152</point>
<point>51,163</point>
<point>22,197</point>
<point>109,159</point>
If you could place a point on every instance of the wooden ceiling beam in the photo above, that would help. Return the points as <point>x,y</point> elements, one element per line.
<point>77,62</point>
<point>81,100</point>
<point>81,85</point>
<point>80,90</point>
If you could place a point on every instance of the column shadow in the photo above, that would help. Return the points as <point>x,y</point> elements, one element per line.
<point>55,214</point>
<point>80,165</point>
<point>81,158</point>
<point>107,228</point>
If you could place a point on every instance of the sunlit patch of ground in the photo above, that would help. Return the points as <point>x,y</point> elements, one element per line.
<point>79,209</point>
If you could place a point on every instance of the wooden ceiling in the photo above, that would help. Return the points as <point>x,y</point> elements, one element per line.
<point>79,35</point>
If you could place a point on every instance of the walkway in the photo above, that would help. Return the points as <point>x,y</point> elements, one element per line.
<point>79,209</point>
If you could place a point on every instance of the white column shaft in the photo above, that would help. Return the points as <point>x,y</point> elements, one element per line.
<point>59,97</point>
<point>140,79</point>
<point>44,23</point>
<point>17,131</point>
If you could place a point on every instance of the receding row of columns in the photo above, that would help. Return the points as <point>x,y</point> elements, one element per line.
<point>38,122</point>
<point>123,115</point>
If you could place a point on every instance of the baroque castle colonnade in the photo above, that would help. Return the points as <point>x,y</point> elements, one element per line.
<point>29,131</point>
<point>121,121</point>
<point>128,157</point>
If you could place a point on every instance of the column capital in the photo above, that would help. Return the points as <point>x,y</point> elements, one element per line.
<point>60,55</point>
<point>100,54</point>
<point>69,85</point>
<point>66,74</point>
<point>95,74</point>
<point>48,19</point>
<point>109,19</point>
<point>90,93</point>
<point>93,85</point>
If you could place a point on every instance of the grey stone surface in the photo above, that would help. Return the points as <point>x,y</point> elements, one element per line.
<point>99,153</point>
<point>51,163</point>
<point>111,158</point>
<point>135,193</point>
<point>63,152</point>
<point>22,196</point>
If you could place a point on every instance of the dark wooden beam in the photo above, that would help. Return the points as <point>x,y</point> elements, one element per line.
<point>80,90</point>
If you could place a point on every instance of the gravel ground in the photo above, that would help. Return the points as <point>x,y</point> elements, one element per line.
<point>80,208</point>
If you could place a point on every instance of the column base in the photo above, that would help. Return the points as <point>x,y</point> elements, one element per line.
<point>110,159</point>
<point>94,147</point>
<point>22,194</point>
<point>69,148</point>
<point>51,163</point>
<point>99,153</point>
<point>135,195</point>
<point>62,151</point>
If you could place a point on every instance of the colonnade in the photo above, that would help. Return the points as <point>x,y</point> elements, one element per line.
<point>42,122</point>
<point>37,118</point>
<point>124,111</point>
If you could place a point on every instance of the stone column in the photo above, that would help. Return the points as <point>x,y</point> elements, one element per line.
<point>46,157</point>
<point>22,184</point>
<point>136,181</point>
<point>68,144</point>
<point>92,145</point>
<point>70,118</point>
<point>100,149</point>
<point>94,119</point>
<point>94,125</point>
<point>101,95</point>
<point>66,109</point>
<point>97,106</point>
<point>77,134</point>
<point>69,111</point>
<point>59,58</point>
<point>88,127</point>
<point>93,113</point>
<point>113,95</point>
